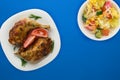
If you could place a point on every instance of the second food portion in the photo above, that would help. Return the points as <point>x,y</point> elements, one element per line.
<point>32,39</point>
<point>100,17</point>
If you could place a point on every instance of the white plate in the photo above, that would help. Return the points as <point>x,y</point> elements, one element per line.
<point>8,48</point>
<point>86,32</point>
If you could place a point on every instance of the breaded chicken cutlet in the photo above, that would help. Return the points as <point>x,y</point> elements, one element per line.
<point>32,38</point>
<point>21,29</point>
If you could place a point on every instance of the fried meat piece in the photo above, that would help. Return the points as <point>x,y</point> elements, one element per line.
<point>21,29</point>
<point>38,50</point>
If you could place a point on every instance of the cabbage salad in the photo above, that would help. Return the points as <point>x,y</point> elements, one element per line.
<point>100,17</point>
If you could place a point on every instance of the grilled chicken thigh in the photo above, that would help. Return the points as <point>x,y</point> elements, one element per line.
<point>21,29</point>
<point>32,38</point>
<point>39,49</point>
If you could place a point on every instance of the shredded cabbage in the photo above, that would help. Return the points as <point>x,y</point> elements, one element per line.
<point>99,18</point>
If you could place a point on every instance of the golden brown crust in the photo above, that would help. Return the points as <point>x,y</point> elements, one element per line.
<point>21,29</point>
<point>39,49</point>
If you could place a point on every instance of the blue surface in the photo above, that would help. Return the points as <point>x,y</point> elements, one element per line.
<point>80,58</point>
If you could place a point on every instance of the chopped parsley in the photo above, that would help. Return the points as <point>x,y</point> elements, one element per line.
<point>84,18</point>
<point>35,17</point>
<point>52,46</point>
<point>14,48</point>
<point>99,13</point>
<point>23,62</point>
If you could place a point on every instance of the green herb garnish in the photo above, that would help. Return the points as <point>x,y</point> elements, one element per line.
<point>52,46</point>
<point>14,48</point>
<point>23,62</point>
<point>84,18</point>
<point>99,13</point>
<point>34,17</point>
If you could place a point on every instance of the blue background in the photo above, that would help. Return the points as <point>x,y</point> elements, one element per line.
<point>79,59</point>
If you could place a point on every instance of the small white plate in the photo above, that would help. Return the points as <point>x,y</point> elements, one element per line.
<point>86,32</point>
<point>8,48</point>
